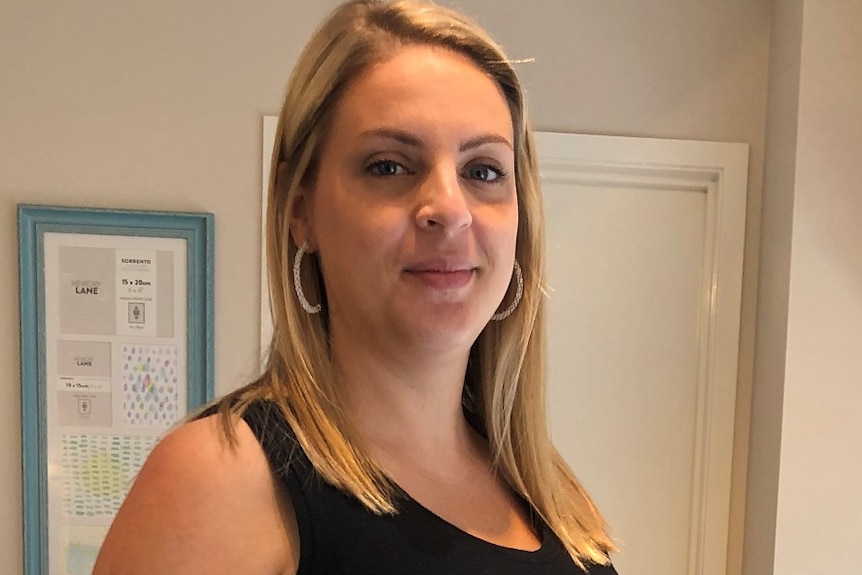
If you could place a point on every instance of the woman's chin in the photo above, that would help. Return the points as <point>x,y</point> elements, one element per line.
<point>442,329</point>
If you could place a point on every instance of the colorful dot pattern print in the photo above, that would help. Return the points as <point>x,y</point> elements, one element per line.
<point>149,379</point>
<point>98,471</point>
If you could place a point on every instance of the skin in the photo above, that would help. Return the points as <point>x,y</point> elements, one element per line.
<point>198,506</point>
<point>414,216</point>
<point>401,186</point>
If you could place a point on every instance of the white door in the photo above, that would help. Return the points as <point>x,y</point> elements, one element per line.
<point>645,262</point>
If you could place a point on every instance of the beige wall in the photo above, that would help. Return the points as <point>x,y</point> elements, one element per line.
<point>819,515</point>
<point>773,291</point>
<point>157,105</point>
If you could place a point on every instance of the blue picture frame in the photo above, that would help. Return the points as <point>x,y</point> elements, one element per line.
<point>34,221</point>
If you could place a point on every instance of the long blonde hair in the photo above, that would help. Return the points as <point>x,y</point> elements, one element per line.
<point>504,389</point>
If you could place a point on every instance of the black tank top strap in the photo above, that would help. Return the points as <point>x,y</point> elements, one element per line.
<point>292,470</point>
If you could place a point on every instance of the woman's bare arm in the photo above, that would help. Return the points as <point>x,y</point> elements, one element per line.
<point>200,506</point>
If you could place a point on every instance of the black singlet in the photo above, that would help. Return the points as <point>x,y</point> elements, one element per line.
<point>338,536</point>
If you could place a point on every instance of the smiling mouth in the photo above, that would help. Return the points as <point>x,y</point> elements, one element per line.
<point>443,278</point>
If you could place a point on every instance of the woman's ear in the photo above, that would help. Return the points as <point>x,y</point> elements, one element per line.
<point>300,210</point>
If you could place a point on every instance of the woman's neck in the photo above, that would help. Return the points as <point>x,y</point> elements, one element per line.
<point>403,397</point>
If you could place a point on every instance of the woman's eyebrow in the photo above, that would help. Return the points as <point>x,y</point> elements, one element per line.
<point>412,140</point>
<point>400,136</point>
<point>485,139</point>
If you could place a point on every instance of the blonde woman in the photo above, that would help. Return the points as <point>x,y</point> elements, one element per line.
<point>400,424</point>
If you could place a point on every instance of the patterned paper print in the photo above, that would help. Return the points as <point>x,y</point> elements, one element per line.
<point>76,548</point>
<point>98,471</point>
<point>81,558</point>
<point>149,378</point>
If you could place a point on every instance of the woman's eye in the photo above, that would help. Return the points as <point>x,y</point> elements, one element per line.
<point>384,168</point>
<point>484,173</point>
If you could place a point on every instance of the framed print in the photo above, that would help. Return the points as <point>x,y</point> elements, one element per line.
<point>116,348</point>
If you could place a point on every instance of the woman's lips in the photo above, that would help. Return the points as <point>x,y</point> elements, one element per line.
<point>443,273</point>
<point>443,279</point>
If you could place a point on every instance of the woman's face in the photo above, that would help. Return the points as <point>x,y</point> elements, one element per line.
<point>414,210</point>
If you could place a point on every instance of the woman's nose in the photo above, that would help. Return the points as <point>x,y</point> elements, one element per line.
<point>443,203</point>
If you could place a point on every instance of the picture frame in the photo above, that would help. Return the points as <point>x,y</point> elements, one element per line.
<point>116,348</point>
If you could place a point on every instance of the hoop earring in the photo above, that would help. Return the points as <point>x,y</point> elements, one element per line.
<point>519,292</point>
<point>297,282</point>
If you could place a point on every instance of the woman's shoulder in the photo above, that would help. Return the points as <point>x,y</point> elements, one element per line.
<point>202,504</point>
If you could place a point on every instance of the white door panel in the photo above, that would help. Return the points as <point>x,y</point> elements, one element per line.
<point>640,238</point>
<point>625,273</point>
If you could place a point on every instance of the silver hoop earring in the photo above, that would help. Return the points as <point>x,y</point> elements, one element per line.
<point>519,291</point>
<point>297,282</point>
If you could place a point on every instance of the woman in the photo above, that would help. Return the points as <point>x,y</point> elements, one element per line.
<point>399,426</point>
